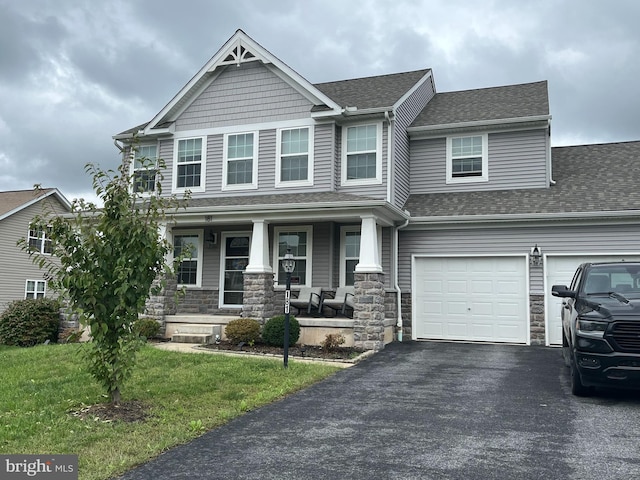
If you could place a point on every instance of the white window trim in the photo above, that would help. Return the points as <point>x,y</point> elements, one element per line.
<point>362,181</point>
<point>133,169</point>
<point>223,257</point>
<point>309,257</point>
<point>26,285</point>
<point>294,183</point>
<point>225,160</point>
<point>200,235</point>
<point>203,167</point>
<point>485,161</point>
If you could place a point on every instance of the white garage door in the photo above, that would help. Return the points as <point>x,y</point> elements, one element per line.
<point>471,298</point>
<point>560,271</point>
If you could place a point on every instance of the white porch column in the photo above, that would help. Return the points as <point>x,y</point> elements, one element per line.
<point>259,250</point>
<point>369,252</point>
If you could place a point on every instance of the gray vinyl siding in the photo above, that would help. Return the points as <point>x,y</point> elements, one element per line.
<point>243,95</point>
<point>516,160</point>
<point>404,115</point>
<point>165,152</point>
<point>323,157</point>
<point>551,239</point>
<point>15,265</point>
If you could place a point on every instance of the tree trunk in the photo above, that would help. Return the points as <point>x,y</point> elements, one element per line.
<point>115,396</point>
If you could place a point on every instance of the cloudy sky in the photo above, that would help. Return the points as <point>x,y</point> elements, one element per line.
<point>75,72</point>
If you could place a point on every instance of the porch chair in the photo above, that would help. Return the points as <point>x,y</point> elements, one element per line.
<point>308,298</point>
<point>342,300</point>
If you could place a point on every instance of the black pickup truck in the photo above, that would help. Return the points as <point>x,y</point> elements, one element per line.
<point>601,326</point>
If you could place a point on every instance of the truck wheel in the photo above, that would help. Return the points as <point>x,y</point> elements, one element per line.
<point>577,388</point>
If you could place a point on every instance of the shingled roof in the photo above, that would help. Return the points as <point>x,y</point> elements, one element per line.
<point>11,200</point>
<point>371,92</point>
<point>497,103</point>
<point>589,178</point>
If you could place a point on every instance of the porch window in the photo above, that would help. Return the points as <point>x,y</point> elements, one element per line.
<point>39,241</point>
<point>361,159</point>
<point>349,254</point>
<point>35,289</point>
<point>189,245</point>
<point>467,159</point>
<point>235,259</point>
<point>240,165</point>
<point>145,164</point>
<point>190,162</point>
<point>299,241</point>
<point>294,156</point>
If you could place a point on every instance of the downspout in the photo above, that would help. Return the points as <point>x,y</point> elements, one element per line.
<point>399,323</point>
<point>549,150</point>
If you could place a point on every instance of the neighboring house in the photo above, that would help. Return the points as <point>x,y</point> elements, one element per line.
<point>450,213</point>
<point>20,278</point>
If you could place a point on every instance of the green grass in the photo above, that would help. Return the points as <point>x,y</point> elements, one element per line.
<point>187,394</point>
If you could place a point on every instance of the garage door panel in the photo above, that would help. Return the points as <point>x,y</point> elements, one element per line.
<point>484,299</point>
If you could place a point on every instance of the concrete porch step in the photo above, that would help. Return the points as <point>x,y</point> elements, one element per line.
<point>201,338</point>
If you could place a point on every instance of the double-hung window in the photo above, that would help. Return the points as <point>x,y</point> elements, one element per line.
<point>190,165</point>
<point>349,255</point>
<point>240,164</point>
<point>294,157</point>
<point>35,289</point>
<point>467,159</point>
<point>188,246</point>
<point>39,241</point>
<point>145,168</point>
<point>361,154</point>
<point>298,239</point>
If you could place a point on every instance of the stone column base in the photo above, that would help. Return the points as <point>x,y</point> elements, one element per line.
<point>368,314</point>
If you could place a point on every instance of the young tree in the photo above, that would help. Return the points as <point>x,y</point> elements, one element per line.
<point>109,261</point>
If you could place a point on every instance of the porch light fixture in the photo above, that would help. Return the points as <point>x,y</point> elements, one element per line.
<point>535,257</point>
<point>288,264</point>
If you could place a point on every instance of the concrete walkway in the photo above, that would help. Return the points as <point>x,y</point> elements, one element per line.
<point>425,410</point>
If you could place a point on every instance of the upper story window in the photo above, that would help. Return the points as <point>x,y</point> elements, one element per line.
<point>189,245</point>
<point>35,289</point>
<point>467,159</point>
<point>361,154</point>
<point>294,157</point>
<point>145,168</point>
<point>298,239</point>
<point>39,241</point>
<point>240,169</point>
<point>189,165</point>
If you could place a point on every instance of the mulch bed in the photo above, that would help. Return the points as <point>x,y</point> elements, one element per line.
<point>308,351</point>
<point>132,411</point>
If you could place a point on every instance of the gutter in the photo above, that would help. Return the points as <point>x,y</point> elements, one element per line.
<point>396,284</point>
<point>476,123</point>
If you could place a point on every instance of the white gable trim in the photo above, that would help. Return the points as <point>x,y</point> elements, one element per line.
<point>239,42</point>
<point>61,198</point>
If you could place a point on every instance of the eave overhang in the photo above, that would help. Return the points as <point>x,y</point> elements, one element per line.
<point>431,131</point>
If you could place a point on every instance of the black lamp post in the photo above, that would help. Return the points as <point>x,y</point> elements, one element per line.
<point>288,264</point>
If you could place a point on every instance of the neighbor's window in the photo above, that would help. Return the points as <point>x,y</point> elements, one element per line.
<point>145,168</point>
<point>361,154</point>
<point>190,164</point>
<point>35,289</point>
<point>240,166</point>
<point>298,239</point>
<point>467,159</point>
<point>294,155</point>
<point>189,245</point>
<point>39,241</point>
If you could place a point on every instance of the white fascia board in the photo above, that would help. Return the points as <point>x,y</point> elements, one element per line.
<point>457,220</point>
<point>431,130</point>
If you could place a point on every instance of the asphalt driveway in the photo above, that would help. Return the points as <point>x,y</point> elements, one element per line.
<point>425,410</point>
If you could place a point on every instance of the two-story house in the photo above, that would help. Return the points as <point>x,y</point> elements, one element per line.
<point>449,213</point>
<point>19,277</point>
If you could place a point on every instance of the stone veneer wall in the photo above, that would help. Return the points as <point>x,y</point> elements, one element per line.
<point>406,316</point>
<point>369,311</point>
<point>258,297</point>
<point>537,326</point>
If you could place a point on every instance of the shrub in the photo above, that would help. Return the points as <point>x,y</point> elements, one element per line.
<point>26,323</point>
<point>332,341</point>
<point>273,331</point>
<point>245,330</point>
<point>147,327</point>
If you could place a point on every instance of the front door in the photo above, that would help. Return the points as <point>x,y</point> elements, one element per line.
<point>235,258</point>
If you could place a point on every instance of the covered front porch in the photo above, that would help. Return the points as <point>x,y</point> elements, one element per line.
<point>234,270</point>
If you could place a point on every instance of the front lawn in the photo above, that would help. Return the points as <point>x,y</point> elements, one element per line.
<point>45,389</point>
